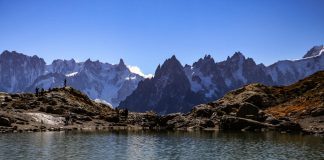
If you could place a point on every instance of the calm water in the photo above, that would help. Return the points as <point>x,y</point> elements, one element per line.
<point>165,145</point>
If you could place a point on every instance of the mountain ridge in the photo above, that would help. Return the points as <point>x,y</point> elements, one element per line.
<point>22,73</point>
<point>210,80</point>
<point>114,83</point>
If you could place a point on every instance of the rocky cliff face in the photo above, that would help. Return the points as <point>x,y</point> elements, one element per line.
<point>210,80</point>
<point>111,83</point>
<point>18,71</point>
<point>168,91</point>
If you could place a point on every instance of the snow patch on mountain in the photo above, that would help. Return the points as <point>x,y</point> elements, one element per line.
<point>72,74</point>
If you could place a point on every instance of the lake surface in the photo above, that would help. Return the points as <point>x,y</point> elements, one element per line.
<point>159,145</point>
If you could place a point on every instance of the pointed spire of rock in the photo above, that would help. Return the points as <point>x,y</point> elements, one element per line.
<point>157,69</point>
<point>237,56</point>
<point>121,62</point>
<point>171,65</point>
<point>121,65</point>
<point>208,60</point>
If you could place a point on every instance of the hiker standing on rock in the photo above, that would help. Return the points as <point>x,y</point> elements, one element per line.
<point>36,91</point>
<point>64,82</point>
<point>42,91</point>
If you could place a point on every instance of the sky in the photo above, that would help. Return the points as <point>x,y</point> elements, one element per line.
<point>146,32</point>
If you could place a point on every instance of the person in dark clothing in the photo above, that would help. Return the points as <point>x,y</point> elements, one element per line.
<point>36,91</point>
<point>65,82</point>
<point>126,112</point>
<point>42,91</point>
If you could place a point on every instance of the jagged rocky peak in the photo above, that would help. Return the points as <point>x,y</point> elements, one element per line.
<point>7,53</point>
<point>96,65</point>
<point>121,65</point>
<point>18,56</point>
<point>171,65</point>
<point>62,66</point>
<point>202,62</point>
<point>168,91</point>
<point>158,68</point>
<point>250,62</point>
<point>173,61</point>
<point>18,59</point>
<point>59,61</point>
<point>18,70</point>
<point>237,56</point>
<point>121,62</point>
<point>315,51</point>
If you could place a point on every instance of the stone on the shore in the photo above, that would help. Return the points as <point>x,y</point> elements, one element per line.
<point>4,121</point>
<point>202,110</point>
<point>207,124</point>
<point>237,123</point>
<point>317,112</point>
<point>289,126</point>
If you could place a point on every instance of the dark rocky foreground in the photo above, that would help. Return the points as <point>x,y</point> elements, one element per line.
<point>255,107</point>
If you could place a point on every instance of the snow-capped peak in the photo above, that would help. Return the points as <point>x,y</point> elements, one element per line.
<point>315,51</point>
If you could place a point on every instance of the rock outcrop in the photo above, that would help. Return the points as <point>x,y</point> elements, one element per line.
<point>294,108</point>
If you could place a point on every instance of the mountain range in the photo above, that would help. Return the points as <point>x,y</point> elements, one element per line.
<point>102,81</point>
<point>174,87</point>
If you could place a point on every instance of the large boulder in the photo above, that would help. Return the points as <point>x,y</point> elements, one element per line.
<point>248,110</point>
<point>207,124</point>
<point>164,119</point>
<point>272,120</point>
<point>178,122</point>
<point>238,123</point>
<point>4,121</point>
<point>203,110</point>
<point>289,126</point>
<point>228,108</point>
<point>317,112</point>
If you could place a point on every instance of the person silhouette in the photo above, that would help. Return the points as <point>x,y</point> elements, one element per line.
<point>65,82</point>
<point>36,91</point>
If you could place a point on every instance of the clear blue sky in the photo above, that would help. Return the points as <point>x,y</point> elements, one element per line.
<point>146,32</point>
